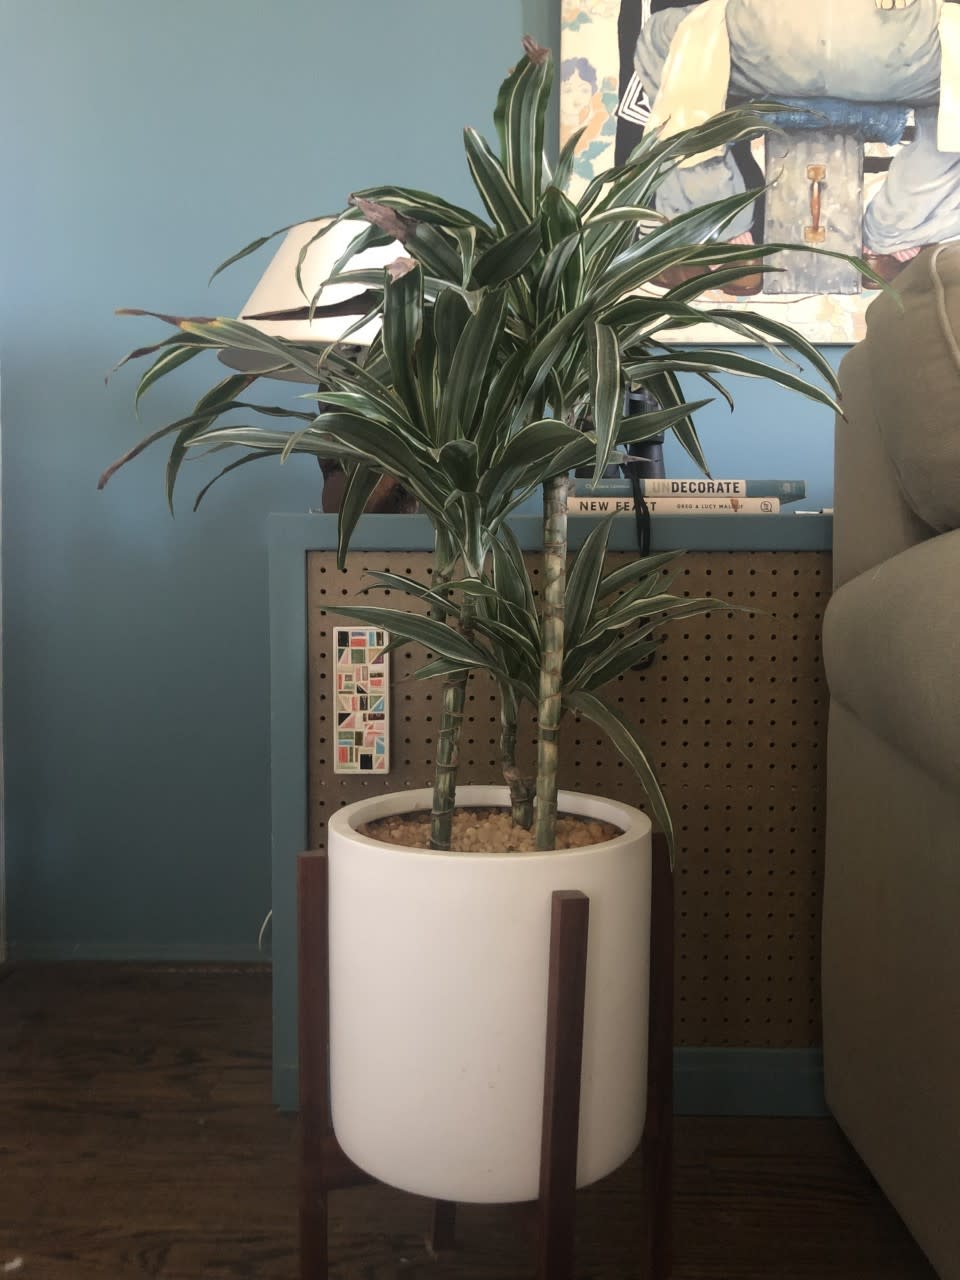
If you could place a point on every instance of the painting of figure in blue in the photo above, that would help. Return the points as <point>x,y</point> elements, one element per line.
<point>864,156</point>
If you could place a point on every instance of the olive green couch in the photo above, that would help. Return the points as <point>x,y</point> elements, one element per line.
<point>891,922</point>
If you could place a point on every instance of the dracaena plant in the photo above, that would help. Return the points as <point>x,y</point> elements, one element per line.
<point>506,341</point>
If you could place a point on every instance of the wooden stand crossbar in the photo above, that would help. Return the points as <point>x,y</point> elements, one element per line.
<point>324,1167</point>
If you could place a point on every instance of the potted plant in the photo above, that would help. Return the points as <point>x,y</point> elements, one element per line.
<point>506,342</point>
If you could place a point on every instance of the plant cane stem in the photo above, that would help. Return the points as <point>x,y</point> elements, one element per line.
<point>448,747</point>
<point>551,670</point>
<point>521,795</point>
<point>448,762</point>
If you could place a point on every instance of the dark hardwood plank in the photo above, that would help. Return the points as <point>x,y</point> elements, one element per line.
<point>137,1139</point>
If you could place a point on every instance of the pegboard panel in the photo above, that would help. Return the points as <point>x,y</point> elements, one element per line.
<point>734,712</point>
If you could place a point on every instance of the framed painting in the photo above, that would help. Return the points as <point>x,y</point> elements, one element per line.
<point>863,156</point>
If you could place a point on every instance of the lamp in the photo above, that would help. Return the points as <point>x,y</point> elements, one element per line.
<point>280,308</point>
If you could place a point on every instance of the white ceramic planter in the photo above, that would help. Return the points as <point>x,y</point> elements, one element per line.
<point>438,998</point>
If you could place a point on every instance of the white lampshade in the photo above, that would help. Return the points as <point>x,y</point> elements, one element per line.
<point>278,290</point>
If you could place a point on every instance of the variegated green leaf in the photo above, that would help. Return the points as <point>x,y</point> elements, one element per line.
<point>165,363</point>
<point>623,277</point>
<point>493,186</point>
<point>499,406</point>
<point>376,408</point>
<point>615,660</point>
<point>441,601</point>
<point>437,251</point>
<point>368,237</point>
<point>549,448</point>
<point>226,333</point>
<point>207,410</point>
<point>178,341</point>
<point>508,257</point>
<point>519,117</point>
<point>568,154</point>
<point>641,427</point>
<point>240,462</point>
<point>442,668</point>
<point>451,314</point>
<point>558,342</point>
<point>426,360</point>
<point>466,238</point>
<point>361,482</point>
<point>537,442</point>
<point>626,742</point>
<point>584,579</point>
<point>432,247</point>
<point>665,387</point>
<point>402,325</point>
<point>194,420</point>
<point>656,609</point>
<point>634,214</point>
<point>275,411</point>
<point>435,636</point>
<point>372,383</point>
<point>717,279</point>
<point>514,643</point>
<point>471,531</point>
<point>424,206</point>
<point>373,280</point>
<point>628,575</point>
<point>253,437</point>
<point>781,333</point>
<point>554,273</point>
<point>559,220</point>
<point>606,391</point>
<point>469,373</point>
<point>701,225</point>
<point>510,577</point>
<point>716,360</point>
<point>254,245</point>
<point>459,461</point>
<point>398,453</point>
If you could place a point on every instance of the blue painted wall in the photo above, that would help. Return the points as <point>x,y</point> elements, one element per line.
<point>141,143</point>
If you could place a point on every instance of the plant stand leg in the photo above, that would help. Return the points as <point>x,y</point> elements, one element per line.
<point>442,1237</point>
<point>323,1166</point>
<point>657,1144</point>
<point>561,1091</point>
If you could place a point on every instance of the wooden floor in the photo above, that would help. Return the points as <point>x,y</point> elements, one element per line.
<point>137,1139</point>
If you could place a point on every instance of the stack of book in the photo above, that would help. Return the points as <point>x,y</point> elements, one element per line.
<point>696,496</point>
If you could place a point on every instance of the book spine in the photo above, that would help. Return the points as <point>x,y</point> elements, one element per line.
<point>586,505</point>
<point>699,487</point>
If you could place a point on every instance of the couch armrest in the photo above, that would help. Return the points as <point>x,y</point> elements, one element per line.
<point>872,519</point>
<point>891,644</point>
<point>913,345</point>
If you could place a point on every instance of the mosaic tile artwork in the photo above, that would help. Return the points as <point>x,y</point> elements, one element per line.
<point>361,675</point>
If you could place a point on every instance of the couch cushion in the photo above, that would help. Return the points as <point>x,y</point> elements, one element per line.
<point>891,643</point>
<point>914,350</point>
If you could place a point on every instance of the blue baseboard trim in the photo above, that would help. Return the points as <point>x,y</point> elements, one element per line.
<point>137,953</point>
<point>707,1082</point>
<point>749,1082</point>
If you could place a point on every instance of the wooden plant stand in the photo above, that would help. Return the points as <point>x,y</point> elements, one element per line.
<point>324,1167</point>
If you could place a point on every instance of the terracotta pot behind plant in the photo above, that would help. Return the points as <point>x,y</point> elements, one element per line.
<point>438,977</point>
<point>388,498</point>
